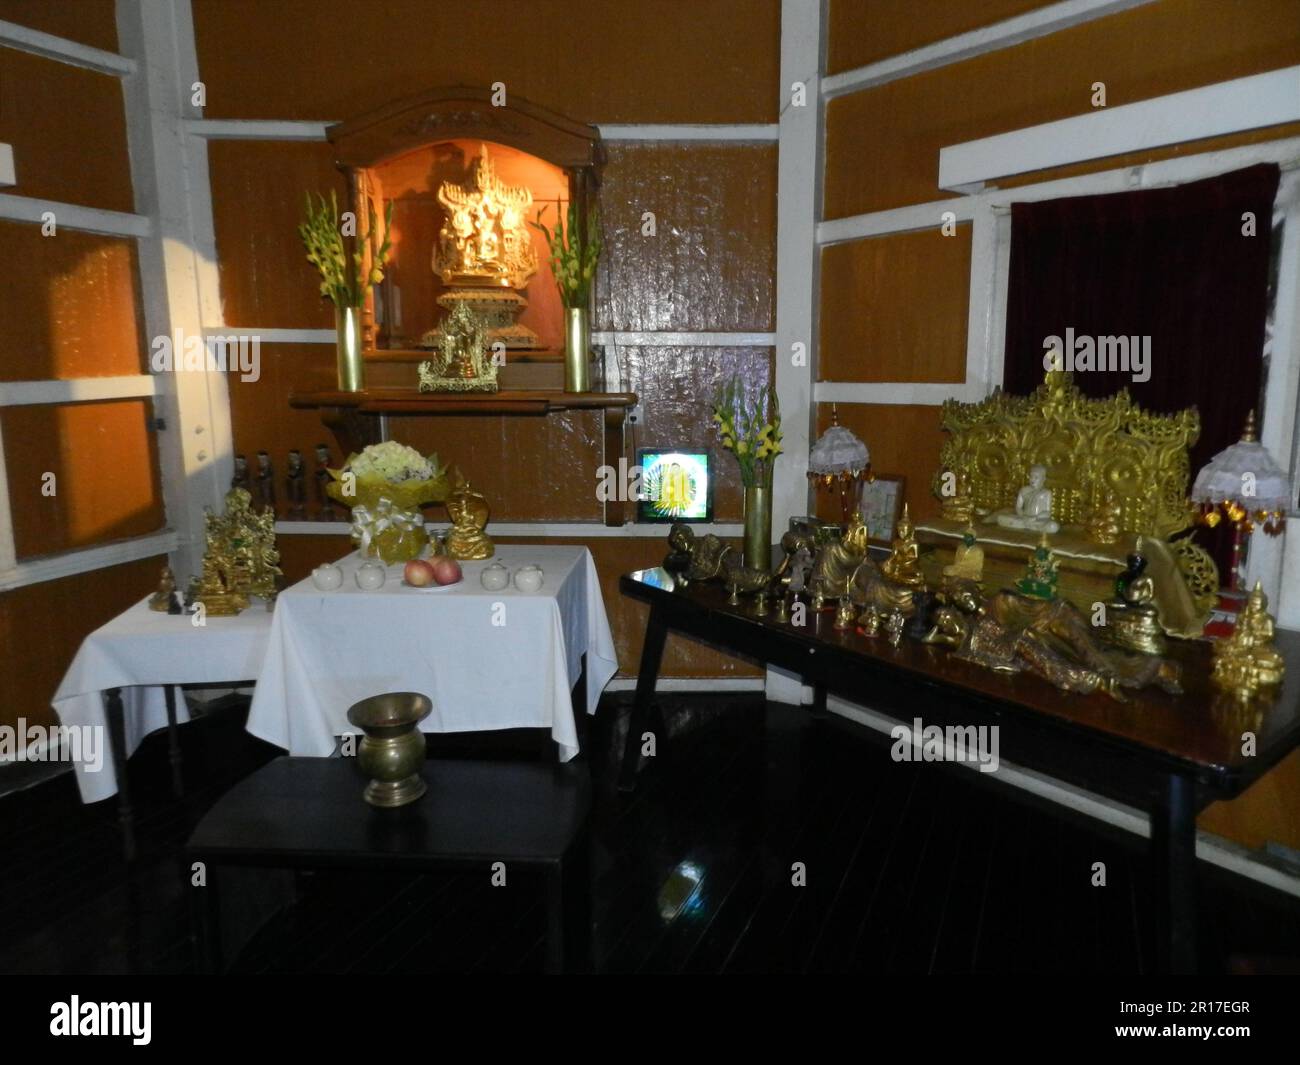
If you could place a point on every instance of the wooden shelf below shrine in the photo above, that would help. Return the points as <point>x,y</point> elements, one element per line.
<point>353,417</point>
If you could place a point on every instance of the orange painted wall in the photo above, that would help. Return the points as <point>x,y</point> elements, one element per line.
<point>882,151</point>
<point>69,307</point>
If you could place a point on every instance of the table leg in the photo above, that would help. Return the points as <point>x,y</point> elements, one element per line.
<point>173,741</point>
<point>1173,855</point>
<point>652,652</point>
<point>819,701</point>
<point>117,741</point>
<point>205,917</point>
<point>568,909</point>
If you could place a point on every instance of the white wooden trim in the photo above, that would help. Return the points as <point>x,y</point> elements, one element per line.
<point>46,45</point>
<point>234,129</point>
<point>1013,31</point>
<point>896,220</point>
<point>77,390</point>
<point>72,216</point>
<point>755,133</point>
<point>274,336</point>
<point>8,177</point>
<point>902,393</point>
<point>574,530</point>
<point>1227,107</point>
<point>685,340</point>
<point>691,684</point>
<point>1211,848</point>
<point>983,358</point>
<point>178,264</point>
<point>8,556</point>
<point>83,560</point>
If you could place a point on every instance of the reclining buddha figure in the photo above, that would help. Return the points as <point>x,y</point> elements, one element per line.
<point>1033,510</point>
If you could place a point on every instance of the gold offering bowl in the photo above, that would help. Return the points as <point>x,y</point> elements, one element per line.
<point>392,751</point>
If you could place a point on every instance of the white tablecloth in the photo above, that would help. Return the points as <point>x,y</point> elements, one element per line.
<point>140,651</point>
<point>487,660</point>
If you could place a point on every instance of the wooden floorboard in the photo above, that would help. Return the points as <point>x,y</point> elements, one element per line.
<point>909,869</point>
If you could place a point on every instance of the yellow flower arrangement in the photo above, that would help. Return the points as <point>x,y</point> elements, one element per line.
<point>751,433</point>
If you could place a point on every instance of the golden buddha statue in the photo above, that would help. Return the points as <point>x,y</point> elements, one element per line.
<point>902,565</point>
<point>1247,661</point>
<point>1103,525</point>
<point>469,517</point>
<point>960,506</point>
<point>837,562</point>
<point>968,558</point>
<point>161,600</point>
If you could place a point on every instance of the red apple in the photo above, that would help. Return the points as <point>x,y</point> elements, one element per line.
<point>446,570</point>
<point>418,573</point>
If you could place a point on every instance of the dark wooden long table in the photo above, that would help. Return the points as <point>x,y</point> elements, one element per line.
<point>1169,755</point>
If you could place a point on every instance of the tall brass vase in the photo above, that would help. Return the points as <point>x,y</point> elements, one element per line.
<point>758,527</point>
<point>577,350</point>
<point>352,370</point>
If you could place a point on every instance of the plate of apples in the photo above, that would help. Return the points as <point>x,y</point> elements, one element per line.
<point>432,574</point>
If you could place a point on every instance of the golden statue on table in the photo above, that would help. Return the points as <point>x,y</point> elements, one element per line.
<point>1247,661</point>
<point>469,512</point>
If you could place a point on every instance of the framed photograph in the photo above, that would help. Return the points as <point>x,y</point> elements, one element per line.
<point>882,503</point>
<point>676,485</point>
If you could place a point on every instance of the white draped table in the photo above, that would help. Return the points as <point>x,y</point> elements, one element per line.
<point>487,660</point>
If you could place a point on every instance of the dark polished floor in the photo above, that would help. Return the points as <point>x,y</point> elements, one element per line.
<point>906,868</point>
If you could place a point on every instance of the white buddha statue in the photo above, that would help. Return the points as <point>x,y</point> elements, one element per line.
<point>1033,509</point>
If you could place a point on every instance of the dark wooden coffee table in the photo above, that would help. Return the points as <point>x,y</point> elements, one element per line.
<point>307,813</point>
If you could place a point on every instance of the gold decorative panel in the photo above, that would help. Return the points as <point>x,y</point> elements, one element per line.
<point>1089,446</point>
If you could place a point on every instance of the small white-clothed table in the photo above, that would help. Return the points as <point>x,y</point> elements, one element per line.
<point>486,659</point>
<point>143,651</point>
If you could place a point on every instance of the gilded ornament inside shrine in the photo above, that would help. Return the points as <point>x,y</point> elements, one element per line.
<point>485,253</point>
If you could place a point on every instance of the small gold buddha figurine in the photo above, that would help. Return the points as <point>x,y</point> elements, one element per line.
<point>1103,525</point>
<point>836,562</point>
<point>1247,661</point>
<point>1132,619</point>
<point>960,506</point>
<point>902,565</point>
<point>869,622</point>
<point>1039,581</point>
<point>469,517</point>
<point>844,616</point>
<point>967,559</point>
<point>161,599</point>
<point>895,625</point>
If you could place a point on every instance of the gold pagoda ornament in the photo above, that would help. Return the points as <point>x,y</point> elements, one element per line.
<point>463,363</point>
<point>1247,660</point>
<point>240,558</point>
<point>485,254</point>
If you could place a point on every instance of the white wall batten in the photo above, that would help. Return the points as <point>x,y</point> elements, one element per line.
<point>756,133</point>
<point>46,45</point>
<point>902,393</point>
<point>8,556</point>
<point>72,216</point>
<point>691,684</point>
<point>896,220</point>
<point>8,177</point>
<point>78,390</point>
<point>84,560</point>
<point>1227,107</point>
<point>273,336</point>
<point>1005,34</point>
<point>178,262</point>
<point>800,158</point>
<point>236,129</point>
<point>652,339</point>
<point>984,353</point>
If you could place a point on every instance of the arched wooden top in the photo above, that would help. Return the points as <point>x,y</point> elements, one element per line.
<point>465,113</point>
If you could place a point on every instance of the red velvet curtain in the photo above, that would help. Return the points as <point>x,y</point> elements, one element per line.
<point>1185,266</point>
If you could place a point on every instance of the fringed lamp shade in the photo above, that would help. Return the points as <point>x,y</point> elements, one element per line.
<point>1243,484</point>
<point>839,461</point>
